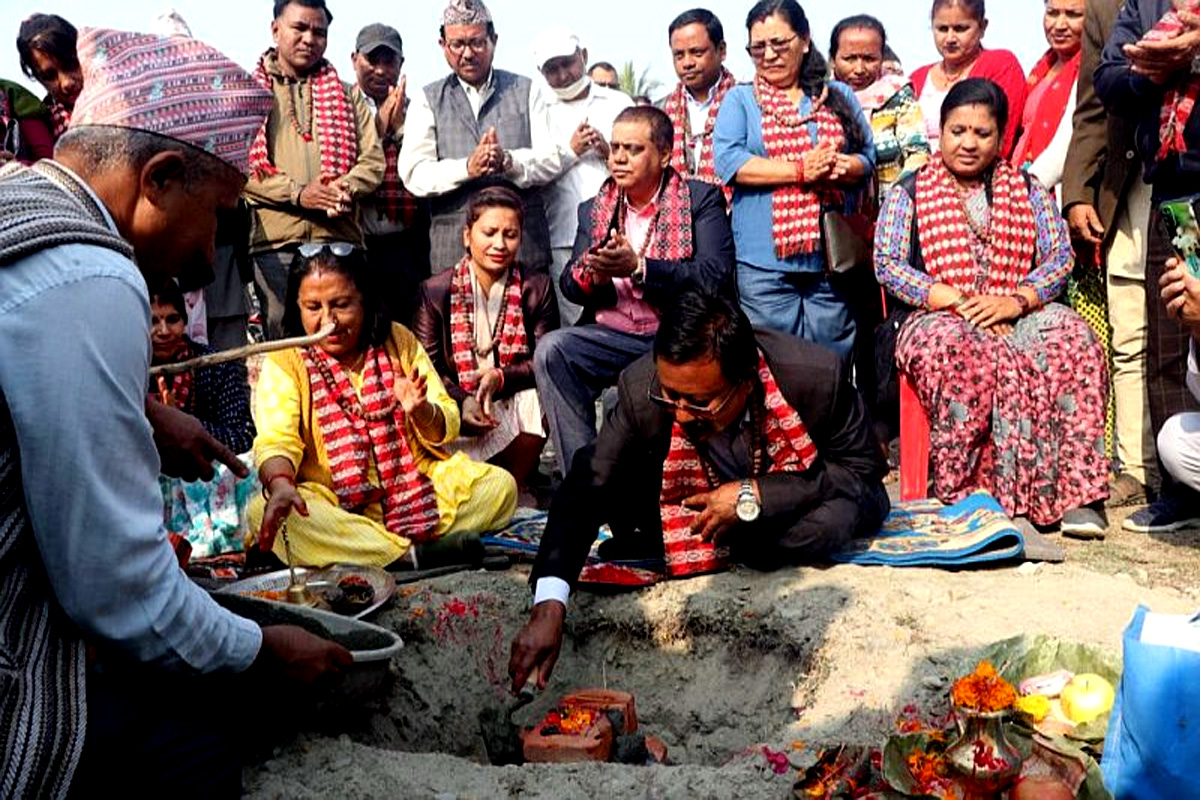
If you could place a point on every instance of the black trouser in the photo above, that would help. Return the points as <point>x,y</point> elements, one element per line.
<point>400,262</point>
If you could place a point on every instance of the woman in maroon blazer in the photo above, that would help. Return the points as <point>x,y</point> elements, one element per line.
<point>480,322</point>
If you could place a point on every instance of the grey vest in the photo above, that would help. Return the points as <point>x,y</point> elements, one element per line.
<point>43,693</point>
<point>506,108</point>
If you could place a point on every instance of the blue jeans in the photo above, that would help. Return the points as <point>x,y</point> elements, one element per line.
<point>804,304</point>
<point>573,366</point>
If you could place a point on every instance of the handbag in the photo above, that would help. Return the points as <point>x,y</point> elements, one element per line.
<point>847,239</point>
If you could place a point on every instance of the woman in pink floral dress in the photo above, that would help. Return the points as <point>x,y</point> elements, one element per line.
<point>1014,384</point>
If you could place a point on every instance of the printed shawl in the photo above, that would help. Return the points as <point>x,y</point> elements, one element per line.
<point>672,237</point>
<point>396,203</point>
<point>681,151</point>
<point>782,443</point>
<point>331,114</point>
<point>509,342</point>
<point>1050,110</point>
<point>946,239</point>
<point>1180,100</point>
<point>795,209</point>
<point>356,431</point>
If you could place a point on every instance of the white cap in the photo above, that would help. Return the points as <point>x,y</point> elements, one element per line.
<point>554,42</point>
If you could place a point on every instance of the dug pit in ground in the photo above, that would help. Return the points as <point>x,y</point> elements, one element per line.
<point>720,666</point>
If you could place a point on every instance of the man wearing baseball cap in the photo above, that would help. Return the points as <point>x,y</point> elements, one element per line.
<point>113,637</point>
<point>395,223</point>
<point>581,118</point>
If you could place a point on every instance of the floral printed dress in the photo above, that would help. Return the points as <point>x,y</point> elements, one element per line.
<point>1019,415</point>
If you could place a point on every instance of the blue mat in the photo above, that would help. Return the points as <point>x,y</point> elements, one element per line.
<point>925,533</point>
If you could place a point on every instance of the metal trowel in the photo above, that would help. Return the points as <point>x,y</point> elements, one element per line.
<point>502,736</point>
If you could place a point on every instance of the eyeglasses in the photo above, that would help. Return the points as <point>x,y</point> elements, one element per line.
<point>339,249</point>
<point>759,49</point>
<point>703,412</point>
<point>458,46</point>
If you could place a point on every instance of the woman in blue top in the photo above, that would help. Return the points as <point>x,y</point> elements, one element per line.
<point>790,144</point>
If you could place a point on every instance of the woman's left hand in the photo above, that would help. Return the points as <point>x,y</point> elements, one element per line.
<point>984,311</point>
<point>411,391</point>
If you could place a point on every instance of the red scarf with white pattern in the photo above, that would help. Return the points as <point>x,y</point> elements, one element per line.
<point>681,151</point>
<point>508,336</point>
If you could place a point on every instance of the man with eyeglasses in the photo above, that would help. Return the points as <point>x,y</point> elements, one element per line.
<point>395,223</point>
<point>316,157</point>
<point>478,127</point>
<point>581,116</point>
<point>723,436</point>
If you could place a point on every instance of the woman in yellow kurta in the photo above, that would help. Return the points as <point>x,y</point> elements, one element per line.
<point>351,432</point>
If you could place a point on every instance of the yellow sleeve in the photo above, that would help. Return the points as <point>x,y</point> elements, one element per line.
<point>277,416</point>
<point>413,355</point>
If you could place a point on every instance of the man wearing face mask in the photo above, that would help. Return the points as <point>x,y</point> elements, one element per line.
<point>580,116</point>
<point>726,442</point>
<point>478,127</point>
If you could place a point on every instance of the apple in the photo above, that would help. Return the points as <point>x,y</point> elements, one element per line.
<point>1086,697</point>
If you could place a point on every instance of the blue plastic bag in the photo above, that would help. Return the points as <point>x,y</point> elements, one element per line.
<point>1152,749</point>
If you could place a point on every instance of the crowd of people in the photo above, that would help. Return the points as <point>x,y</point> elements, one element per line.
<point>740,275</point>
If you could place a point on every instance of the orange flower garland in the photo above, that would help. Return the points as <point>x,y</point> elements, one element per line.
<point>983,690</point>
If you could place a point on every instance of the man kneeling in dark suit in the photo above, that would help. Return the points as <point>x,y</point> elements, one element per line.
<point>726,443</point>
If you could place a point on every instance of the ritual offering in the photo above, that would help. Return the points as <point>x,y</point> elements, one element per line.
<point>986,762</point>
<point>1086,697</point>
<point>346,589</point>
<point>569,733</point>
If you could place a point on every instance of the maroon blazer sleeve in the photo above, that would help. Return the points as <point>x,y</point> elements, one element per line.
<point>540,308</point>
<point>431,326</point>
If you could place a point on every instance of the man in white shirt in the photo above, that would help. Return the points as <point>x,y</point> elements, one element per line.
<point>478,127</point>
<point>579,115</point>
<point>698,53</point>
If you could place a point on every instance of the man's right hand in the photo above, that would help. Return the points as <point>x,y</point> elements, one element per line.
<point>319,196</point>
<point>300,657</point>
<point>536,647</point>
<point>185,449</point>
<point>1160,61</point>
<point>488,157</point>
<point>1085,223</point>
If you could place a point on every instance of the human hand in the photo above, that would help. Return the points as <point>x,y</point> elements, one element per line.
<point>536,646</point>
<point>474,420</point>
<point>818,162</point>
<point>616,258</point>
<point>581,139</point>
<point>1002,329</point>
<point>185,448</point>
<point>846,168</point>
<point>394,108</point>
<point>321,196</point>
<point>1180,293</point>
<point>1085,223</point>
<point>984,311</point>
<point>283,499</point>
<point>165,395</point>
<point>5,157</point>
<point>489,384</point>
<point>411,391</point>
<point>1159,60</point>
<point>302,658</point>
<point>483,158</point>
<point>718,511</point>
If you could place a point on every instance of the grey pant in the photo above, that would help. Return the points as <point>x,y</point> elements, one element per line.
<point>1179,448</point>
<point>271,286</point>
<point>573,366</point>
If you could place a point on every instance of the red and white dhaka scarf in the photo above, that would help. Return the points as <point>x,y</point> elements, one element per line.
<point>1179,101</point>
<point>946,239</point>
<point>681,150</point>
<point>795,209</point>
<point>509,342</point>
<point>672,236</point>
<point>781,442</point>
<point>354,431</point>
<point>332,115</point>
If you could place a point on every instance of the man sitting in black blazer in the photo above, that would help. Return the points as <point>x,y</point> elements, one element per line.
<point>645,232</point>
<point>726,443</point>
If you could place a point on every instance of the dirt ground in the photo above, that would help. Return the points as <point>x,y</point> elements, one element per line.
<point>720,666</point>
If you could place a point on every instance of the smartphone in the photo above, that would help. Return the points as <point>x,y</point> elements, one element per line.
<point>1179,217</point>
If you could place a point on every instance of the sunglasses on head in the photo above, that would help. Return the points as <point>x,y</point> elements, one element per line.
<point>339,249</point>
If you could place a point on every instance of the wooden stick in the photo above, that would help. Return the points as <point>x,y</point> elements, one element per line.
<point>239,353</point>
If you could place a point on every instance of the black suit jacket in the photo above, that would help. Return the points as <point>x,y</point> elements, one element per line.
<point>621,482</point>
<point>710,267</point>
<point>431,324</point>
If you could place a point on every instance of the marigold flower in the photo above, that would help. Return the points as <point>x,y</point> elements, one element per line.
<point>983,690</point>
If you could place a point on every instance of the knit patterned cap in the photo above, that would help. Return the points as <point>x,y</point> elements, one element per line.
<point>174,86</point>
<point>466,12</point>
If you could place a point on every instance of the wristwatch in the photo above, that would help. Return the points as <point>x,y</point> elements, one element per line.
<point>748,507</point>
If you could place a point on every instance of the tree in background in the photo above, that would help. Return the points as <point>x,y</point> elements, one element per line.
<point>636,85</point>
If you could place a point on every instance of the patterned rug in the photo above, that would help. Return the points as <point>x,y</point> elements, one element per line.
<point>925,533</point>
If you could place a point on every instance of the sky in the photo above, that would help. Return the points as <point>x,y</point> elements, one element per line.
<point>611,30</point>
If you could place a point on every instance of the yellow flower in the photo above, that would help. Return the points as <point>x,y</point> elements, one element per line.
<point>1034,706</point>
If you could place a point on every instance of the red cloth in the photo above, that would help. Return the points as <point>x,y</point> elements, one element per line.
<point>946,239</point>
<point>1180,100</point>
<point>795,209</point>
<point>509,341</point>
<point>398,204</point>
<point>676,108</point>
<point>331,114</point>
<point>1050,110</point>
<point>781,444</point>
<point>999,66</point>
<point>354,431</point>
